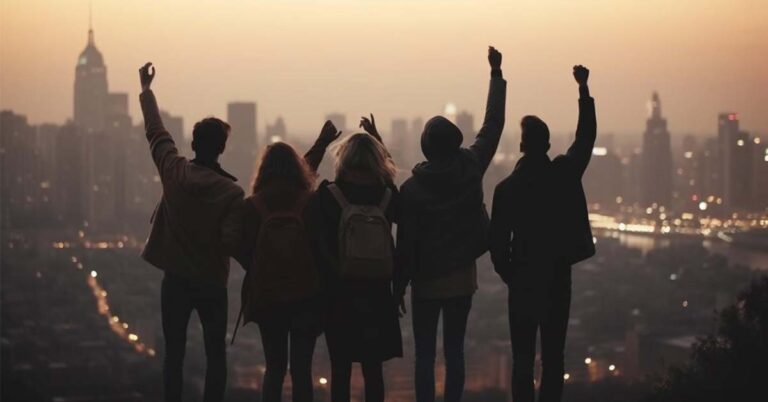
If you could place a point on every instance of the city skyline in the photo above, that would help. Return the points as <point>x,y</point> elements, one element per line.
<point>250,68</point>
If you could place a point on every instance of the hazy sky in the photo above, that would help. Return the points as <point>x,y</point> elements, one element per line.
<point>301,58</point>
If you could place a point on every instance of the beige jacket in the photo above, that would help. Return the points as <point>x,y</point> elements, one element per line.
<point>196,225</point>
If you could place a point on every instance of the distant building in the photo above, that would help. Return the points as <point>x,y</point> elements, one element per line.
<point>760,173</point>
<point>240,154</point>
<point>91,91</point>
<point>656,184</point>
<point>465,121</point>
<point>338,119</point>
<point>277,132</point>
<point>736,159</point>
<point>399,142</point>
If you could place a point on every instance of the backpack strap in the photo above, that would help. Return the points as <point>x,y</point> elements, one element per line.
<point>338,195</point>
<point>385,199</point>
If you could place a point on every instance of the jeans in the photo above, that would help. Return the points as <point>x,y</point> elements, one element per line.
<point>275,334</point>
<point>553,324</point>
<point>341,373</point>
<point>178,298</point>
<point>426,314</point>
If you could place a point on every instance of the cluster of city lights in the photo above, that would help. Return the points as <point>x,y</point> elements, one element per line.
<point>611,367</point>
<point>120,328</point>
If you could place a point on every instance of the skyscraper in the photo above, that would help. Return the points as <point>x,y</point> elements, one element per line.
<point>338,119</point>
<point>91,92</point>
<point>276,132</point>
<point>240,154</point>
<point>465,121</point>
<point>736,161</point>
<point>656,158</point>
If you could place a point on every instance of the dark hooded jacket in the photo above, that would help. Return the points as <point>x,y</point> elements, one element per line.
<point>541,207</point>
<point>444,222</point>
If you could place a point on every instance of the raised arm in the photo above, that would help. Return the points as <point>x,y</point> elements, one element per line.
<point>487,139</point>
<point>161,144</point>
<point>370,127</point>
<point>580,151</point>
<point>314,156</point>
<point>500,233</point>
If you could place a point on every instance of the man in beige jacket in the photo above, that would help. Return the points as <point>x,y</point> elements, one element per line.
<point>195,228</point>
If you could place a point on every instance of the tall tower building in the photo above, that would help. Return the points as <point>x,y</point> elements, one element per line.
<point>339,120</point>
<point>91,92</point>
<point>239,156</point>
<point>656,159</point>
<point>736,160</point>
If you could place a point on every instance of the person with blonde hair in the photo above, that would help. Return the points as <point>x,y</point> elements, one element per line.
<point>351,220</point>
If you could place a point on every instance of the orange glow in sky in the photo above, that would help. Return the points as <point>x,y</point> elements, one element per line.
<point>302,58</point>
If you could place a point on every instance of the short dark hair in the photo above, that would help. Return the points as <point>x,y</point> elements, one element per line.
<point>209,136</point>
<point>535,135</point>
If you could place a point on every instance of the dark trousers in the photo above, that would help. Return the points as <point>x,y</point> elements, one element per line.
<point>275,335</point>
<point>341,374</point>
<point>552,321</point>
<point>426,314</point>
<point>178,298</point>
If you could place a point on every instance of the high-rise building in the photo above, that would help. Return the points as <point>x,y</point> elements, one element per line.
<point>338,119</point>
<point>399,142</point>
<point>91,92</point>
<point>465,121</point>
<point>736,162</point>
<point>760,173</point>
<point>277,132</point>
<point>240,154</point>
<point>656,168</point>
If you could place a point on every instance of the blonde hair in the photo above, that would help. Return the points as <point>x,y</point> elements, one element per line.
<point>362,154</point>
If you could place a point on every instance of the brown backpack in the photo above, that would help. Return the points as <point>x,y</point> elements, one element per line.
<point>283,268</point>
<point>365,238</point>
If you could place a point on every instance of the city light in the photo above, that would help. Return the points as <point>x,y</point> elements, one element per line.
<point>588,360</point>
<point>94,274</point>
<point>673,277</point>
<point>566,376</point>
<point>703,206</point>
<point>685,303</point>
<point>611,367</point>
<point>322,381</point>
<point>599,151</point>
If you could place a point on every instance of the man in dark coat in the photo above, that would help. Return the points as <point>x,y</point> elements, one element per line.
<point>539,228</point>
<point>442,231</point>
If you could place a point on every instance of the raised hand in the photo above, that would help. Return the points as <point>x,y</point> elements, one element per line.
<point>146,75</point>
<point>581,74</point>
<point>329,133</point>
<point>369,126</point>
<point>494,58</point>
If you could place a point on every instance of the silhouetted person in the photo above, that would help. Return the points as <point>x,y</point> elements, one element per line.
<point>351,218</point>
<point>443,230</point>
<point>541,207</point>
<point>195,228</point>
<point>282,290</point>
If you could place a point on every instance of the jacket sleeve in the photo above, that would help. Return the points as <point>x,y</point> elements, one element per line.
<point>232,228</point>
<point>405,252</point>
<point>249,231</point>
<point>580,151</point>
<point>314,156</point>
<point>161,144</point>
<point>488,137</point>
<point>500,232</point>
<point>321,231</point>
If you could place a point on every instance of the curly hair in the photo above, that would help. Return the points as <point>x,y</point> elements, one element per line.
<point>280,162</point>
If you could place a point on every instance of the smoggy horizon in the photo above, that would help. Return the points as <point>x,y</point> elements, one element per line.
<point>304,59</point>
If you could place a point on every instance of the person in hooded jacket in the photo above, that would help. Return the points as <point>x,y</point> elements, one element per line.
<point>442,231</point>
